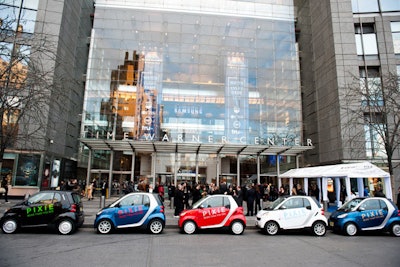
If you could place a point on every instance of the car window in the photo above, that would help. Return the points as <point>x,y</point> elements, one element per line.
<point>383,204</point>
<point>131,200</point>
<point>370,204</point>
<point>293,203</point>
<point>41,198</point>
<point>316,202</point>
<point>146,200</point>
<point>306,202</point>
<point>227,203</point>
<point>76,198</point>
<point>57,197</point>
<point>213,202</point>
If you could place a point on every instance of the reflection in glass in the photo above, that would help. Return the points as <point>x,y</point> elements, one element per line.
<point>180,77</point>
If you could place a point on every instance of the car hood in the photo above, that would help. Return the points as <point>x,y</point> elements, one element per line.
<point>337,213</point>
<point>262,212</point>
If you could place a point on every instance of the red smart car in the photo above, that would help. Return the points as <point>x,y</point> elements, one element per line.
<point>214,211</point>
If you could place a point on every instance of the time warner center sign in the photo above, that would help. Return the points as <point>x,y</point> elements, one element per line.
<point>210,139</point>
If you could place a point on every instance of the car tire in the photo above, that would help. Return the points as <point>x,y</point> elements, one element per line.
<point>189,227</point>
<point>9,226</point>
<point>271,228</point>
<point>105,226</point>
<point>156,226</point>
<point>395,229</point>
<point>65,226</point>
<point>350,229</point>
<point>319,228</point>
<point>237,227</point>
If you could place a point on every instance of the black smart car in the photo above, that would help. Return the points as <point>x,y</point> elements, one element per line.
<point>62,209</point>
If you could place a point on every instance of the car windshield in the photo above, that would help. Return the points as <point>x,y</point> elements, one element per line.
<point>276,203</point>
<point>350,205</point>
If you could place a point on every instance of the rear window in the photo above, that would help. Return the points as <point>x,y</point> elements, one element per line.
<point>76,198</point>
<point>159,200</point>
<point>316,202</point>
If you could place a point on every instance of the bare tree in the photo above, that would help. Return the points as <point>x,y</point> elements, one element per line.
<point>27,85</point>
<point>371,108</point>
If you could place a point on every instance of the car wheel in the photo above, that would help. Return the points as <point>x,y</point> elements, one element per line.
<point>237,228</point>
<point>395,229</point>
<point>65,227</point>
<point>319,228</point>
<point>156,226</point>
<point>350,229</point>
<point>9,226</point>
<point>105,227</point>
<point>189,227</point>
<point>271,228</point>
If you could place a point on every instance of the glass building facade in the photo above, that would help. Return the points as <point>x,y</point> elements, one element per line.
<point>218,73</point>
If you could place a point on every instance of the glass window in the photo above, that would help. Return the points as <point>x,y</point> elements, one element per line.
<point>294,203</point>
<point>395,26</point>
<point>390,5</point>
<point>132,200</point>
<point>365,6</point>
<point>374,132</point>
<point>213,202</point>
<point>370,84</point>
<point>371,204</point>
<point>10,12</point>
<point>192,78</point>
<point>41,198</point>
<point>366,39</point>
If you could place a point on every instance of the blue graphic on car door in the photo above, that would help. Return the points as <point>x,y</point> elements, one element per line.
<point>131,209</point>
<point>372,213</point>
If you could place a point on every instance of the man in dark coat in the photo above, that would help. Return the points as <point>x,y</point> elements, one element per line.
<point>238,196</point>
<point>179,200</point>
<point>251,197</point>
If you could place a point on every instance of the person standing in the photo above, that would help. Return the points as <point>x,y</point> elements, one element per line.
<point>251,197</point>
<point>90,191</point>
<point>179,200</point>
<point>196,193</point>
<point>238,196</point>
<point>104,187</point>
<point>171,195</point>
<point>398,197</point>
<point>4,184</point>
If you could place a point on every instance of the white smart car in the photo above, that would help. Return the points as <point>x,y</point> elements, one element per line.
<point>293,213</point>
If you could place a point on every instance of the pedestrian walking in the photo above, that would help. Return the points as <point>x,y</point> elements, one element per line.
<point>4,184</point>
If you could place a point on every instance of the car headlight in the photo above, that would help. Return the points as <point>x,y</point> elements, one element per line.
<point>341,216</point>
<point>265,213</point>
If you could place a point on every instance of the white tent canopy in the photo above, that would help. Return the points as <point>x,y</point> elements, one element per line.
<point>347,171</point>
<point>352,170</point>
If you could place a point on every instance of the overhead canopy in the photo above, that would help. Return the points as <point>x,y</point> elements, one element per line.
<point>351,170</point>
<point>196,148</point>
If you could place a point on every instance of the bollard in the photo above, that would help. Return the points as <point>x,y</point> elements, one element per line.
<point>102,201</point>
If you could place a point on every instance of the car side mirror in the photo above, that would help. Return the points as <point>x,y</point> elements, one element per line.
<point>308,207</point>
<point>361,209</point>
<point>282,208</point>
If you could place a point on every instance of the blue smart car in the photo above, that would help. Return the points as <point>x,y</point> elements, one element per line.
<point>366,214</point>
<point>138,209</point>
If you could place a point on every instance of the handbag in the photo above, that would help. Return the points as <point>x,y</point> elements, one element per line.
<point>2,190</point>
